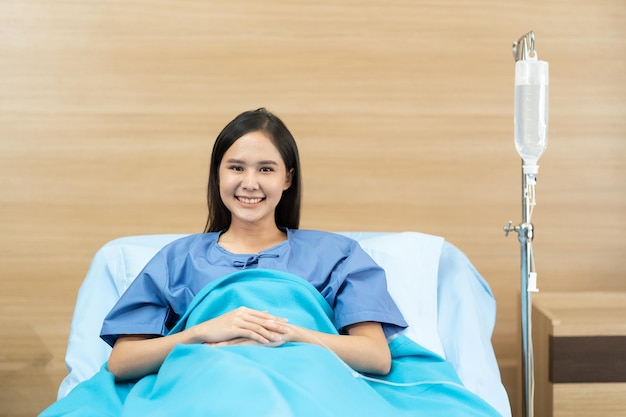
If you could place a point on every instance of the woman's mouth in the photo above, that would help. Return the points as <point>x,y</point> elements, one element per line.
<point>250,200</point>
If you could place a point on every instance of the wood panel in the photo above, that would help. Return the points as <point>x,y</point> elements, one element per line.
<point>588,359</point>
<point>402,111</point>
<point>579,344</point>
<point>582,400</point>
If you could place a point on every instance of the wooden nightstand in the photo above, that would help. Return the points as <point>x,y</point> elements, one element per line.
<point>580,354</point>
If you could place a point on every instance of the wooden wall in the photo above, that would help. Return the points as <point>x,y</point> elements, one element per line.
<point>403,111</point>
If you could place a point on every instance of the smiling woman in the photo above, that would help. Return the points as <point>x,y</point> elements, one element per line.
<point>254,170</point>
<point>252,178</point>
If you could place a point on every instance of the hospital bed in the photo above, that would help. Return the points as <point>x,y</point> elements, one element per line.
<point>448,305</point>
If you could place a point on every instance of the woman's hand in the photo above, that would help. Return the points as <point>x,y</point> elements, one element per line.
<point>241,325</point>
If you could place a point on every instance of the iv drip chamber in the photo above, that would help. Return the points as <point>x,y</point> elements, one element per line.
<point>531,110</point>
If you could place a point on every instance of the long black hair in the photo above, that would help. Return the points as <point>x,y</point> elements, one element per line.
<point>287,213</point>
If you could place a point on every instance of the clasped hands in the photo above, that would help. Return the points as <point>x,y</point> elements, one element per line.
<point>247,326</point>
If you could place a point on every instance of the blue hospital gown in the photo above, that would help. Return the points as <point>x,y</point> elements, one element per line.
<point>351,282</point>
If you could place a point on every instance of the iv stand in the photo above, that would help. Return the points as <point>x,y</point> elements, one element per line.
<point>524,47</point>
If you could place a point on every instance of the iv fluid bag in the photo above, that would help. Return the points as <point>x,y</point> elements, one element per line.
<point>531,109</point>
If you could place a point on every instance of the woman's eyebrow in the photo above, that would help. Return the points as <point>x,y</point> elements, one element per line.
<point>263,162</point>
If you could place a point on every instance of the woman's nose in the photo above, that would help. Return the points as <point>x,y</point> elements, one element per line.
<point>250,181</point>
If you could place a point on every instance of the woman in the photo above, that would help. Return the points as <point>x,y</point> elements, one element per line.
<point>254,209</point>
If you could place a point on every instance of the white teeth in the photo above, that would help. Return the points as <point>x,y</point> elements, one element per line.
<point>250,200</point>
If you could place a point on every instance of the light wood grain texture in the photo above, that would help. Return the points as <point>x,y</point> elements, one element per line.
<point>585,313</point>
<point>583,400</point>
<point>403,112</point>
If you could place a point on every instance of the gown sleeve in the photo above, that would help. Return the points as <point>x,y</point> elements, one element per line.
<point>362,294</point>
<point>143,308</point>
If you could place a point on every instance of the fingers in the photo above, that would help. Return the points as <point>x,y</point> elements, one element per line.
<point>260,325</point>
<point>262,315</point>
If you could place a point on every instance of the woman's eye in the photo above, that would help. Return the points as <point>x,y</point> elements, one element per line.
<point>267,169</point>
<point>236,168</point>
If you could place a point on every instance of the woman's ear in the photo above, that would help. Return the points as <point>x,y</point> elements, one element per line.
<point>288,179</point>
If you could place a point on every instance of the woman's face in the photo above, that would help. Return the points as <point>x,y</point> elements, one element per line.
<point>252,178</point>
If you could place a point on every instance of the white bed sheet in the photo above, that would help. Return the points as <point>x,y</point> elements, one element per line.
<point>448,305</point>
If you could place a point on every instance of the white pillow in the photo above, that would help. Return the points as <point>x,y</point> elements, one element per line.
<point>411,262</point>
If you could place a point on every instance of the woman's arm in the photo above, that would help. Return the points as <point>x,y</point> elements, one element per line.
<point>134,356</point>
<point>364,348</point>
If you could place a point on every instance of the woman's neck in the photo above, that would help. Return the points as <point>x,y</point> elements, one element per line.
<point>251,240</point>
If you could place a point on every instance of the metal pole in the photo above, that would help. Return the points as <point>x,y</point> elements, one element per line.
<point>525,239</point>
<point>525,235</point>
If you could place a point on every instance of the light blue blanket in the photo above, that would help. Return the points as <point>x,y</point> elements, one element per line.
<point>295,379</point>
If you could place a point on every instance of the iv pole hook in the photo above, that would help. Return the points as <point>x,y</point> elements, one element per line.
<point>524,47</point>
